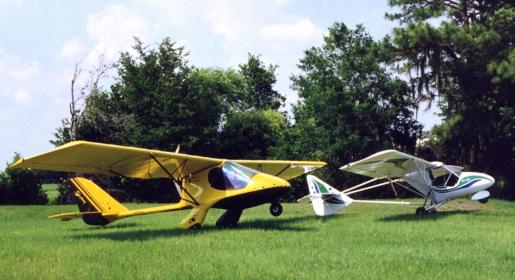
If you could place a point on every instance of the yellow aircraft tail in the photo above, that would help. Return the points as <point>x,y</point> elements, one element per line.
<point>97,207</point>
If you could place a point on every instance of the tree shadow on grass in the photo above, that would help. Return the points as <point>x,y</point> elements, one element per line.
<point>431,217</point>
<point>148,234</point>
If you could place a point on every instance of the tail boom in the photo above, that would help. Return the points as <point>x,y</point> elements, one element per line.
<point>97,207</point>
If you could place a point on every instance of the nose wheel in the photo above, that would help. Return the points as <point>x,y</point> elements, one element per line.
<point>276,209</point>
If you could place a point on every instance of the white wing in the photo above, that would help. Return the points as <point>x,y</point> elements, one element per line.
<point>392,164</point>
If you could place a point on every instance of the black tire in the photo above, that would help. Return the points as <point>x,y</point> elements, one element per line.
<point>421,211</point>
<point>484,200</point>
<point>229,219</point>
<point>196,226</point>
<point>276,209</point>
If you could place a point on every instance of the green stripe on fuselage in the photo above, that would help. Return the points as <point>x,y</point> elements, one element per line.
<point>470,178</point>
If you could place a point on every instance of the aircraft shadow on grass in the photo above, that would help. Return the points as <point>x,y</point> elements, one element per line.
<point>147,234</point>
<point>431,217</point>
<point>111,226</point>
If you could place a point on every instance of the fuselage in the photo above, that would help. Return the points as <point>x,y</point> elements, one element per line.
<point>468,183</point>
<point>231,185</point>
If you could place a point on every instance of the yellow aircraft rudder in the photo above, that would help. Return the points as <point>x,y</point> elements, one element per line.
<point>100,206</point>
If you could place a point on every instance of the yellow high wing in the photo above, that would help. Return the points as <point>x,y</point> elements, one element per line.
<point>188,170</point>
<point>107,159</point>
<point>97,158</point>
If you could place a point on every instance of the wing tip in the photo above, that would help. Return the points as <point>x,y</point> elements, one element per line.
<point>18,163</point>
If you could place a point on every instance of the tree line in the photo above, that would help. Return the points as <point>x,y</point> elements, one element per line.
<point>357,96</point>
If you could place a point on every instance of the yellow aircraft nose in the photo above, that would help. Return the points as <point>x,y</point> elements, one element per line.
<point>265,181</point>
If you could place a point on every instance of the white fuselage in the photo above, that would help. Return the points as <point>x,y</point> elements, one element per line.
<point>467,184</point>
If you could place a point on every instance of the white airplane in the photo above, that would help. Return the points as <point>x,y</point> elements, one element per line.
<point>438,183</point>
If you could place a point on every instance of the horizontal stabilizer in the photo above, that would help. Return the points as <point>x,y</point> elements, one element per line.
<point>305,199</point>
<point>70,216</point>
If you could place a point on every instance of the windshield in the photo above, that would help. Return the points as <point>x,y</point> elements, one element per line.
<point>236,176</point>
<point>442,177</point>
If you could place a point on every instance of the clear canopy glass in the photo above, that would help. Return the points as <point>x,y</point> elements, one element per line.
<point>443,177</point>
<point>237,176</point>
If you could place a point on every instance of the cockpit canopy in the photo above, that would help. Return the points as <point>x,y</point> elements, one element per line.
<point>230,176</point>
<point>444,175</point>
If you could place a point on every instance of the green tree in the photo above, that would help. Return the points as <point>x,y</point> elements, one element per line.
<point>3,188</point>
<point>350,106</point>
<point>21,186</point>
<point>259,81</point>
<point>467,60</point>
<point>158,101</point>
<point>252,134</point>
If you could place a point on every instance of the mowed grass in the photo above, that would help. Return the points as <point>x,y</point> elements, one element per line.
<point>51,192</point>
<point>364,242</point>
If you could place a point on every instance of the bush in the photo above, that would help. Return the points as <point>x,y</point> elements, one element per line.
<point>21,186</point>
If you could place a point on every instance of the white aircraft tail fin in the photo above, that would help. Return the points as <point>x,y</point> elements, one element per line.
<point>326,200</point>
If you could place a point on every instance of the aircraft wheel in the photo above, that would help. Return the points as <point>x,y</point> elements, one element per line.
<point>421,211</point>
<point>196,226</point>
<point>276,209</point>
<point>484,200</point>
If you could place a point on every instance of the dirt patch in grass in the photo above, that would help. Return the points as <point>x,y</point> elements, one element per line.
<point>461,206</point>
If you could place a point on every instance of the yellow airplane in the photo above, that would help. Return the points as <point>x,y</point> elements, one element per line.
<point>202,182</point>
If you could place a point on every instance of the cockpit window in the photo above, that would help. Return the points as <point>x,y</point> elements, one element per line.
<point>236,176</point>
<point>442,177</point>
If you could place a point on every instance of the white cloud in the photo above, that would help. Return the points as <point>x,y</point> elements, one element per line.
<point>72,49</point>
<point>27,96</point>
<point>177,13</point>
<point>25,71</point>
<point>222,32</point>
<point>21,96</point>
<point>15,74</point>
<point>301,31</point>
<point>114,28</point>
<point>12,68</point>
<point>11,3</point>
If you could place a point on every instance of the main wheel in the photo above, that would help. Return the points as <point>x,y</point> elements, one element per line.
<point>484,200</point>
<point>421,211</point>
<point>276,209</point>
<point>196,226</point>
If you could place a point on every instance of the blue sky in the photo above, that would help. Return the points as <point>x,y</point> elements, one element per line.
<point>42,40</point>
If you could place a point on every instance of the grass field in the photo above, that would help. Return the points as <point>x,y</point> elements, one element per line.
<point>365,242</point>
<point>51,192</point>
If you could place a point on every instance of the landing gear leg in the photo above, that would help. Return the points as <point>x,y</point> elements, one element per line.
<point>276,209</point>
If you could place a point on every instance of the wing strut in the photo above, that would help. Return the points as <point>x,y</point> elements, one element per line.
<point>362,184</point>
<point>173,179</point>
<point>433,198</point>
<point>393,188</point>
<point>282,170</point>
<point>370,187</point>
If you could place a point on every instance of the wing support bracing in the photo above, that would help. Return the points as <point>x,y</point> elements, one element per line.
<point>173,179</point>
